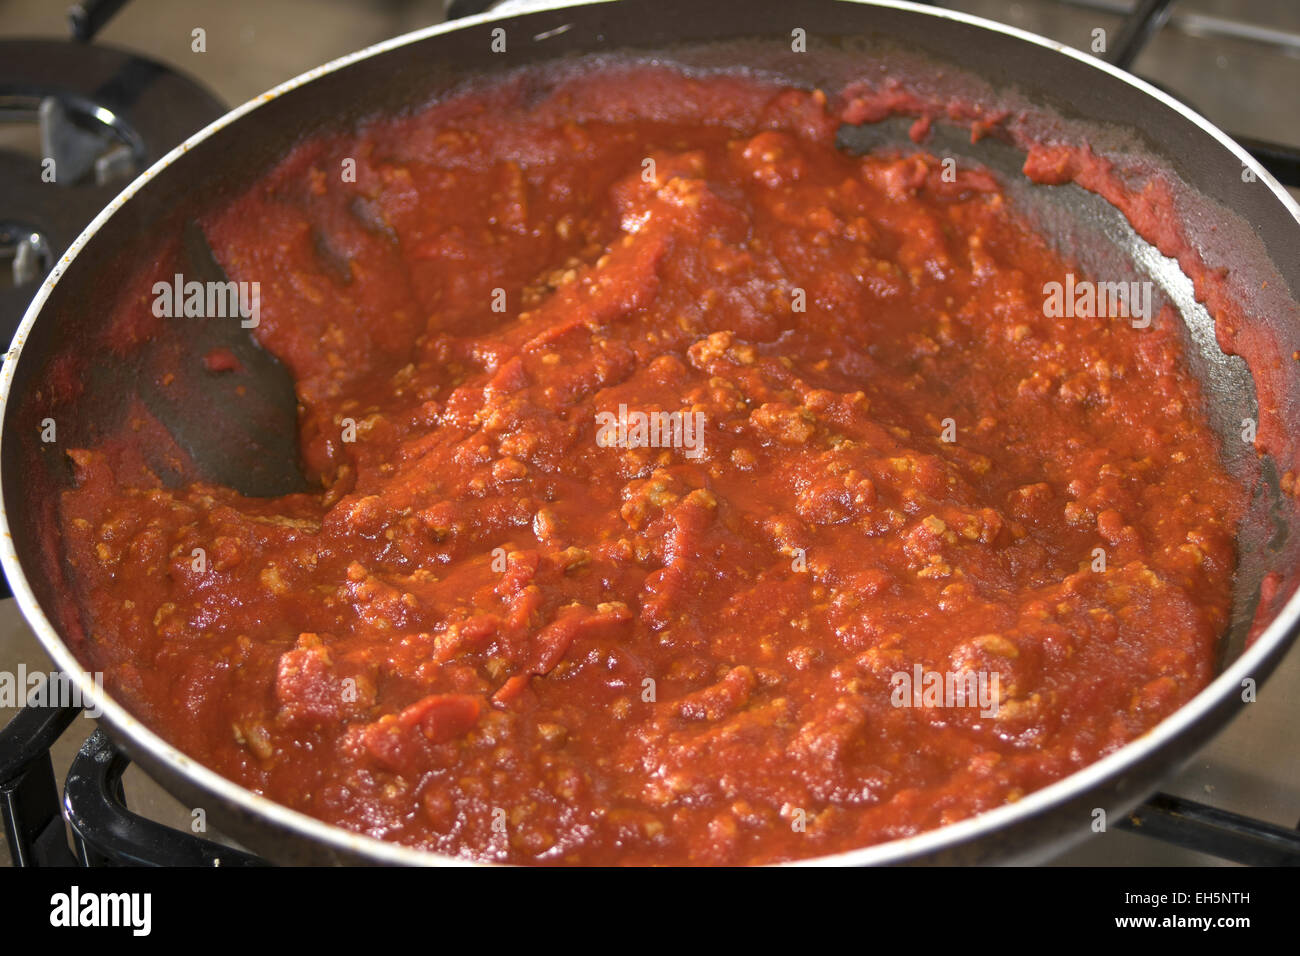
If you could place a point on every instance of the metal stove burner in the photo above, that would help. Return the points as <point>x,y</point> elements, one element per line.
<point>99,116</point>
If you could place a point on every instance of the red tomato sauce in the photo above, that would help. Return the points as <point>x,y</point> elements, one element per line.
<point>495,636</point>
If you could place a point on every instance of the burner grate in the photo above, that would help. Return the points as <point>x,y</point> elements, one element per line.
<point>106,833</point>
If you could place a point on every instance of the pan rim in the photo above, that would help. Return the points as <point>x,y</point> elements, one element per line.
<point>1269,643</point>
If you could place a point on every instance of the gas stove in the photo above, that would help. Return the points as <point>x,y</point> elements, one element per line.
<point>94,114</point>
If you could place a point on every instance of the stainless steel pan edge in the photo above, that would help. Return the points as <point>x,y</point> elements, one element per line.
<point>1044,822</point>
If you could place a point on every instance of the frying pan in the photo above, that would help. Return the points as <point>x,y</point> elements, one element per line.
<point>1224,230</point>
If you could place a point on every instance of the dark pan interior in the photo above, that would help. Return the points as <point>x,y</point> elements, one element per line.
<point>1236,226</point>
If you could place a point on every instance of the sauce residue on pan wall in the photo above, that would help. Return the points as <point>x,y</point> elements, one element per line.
<point>497,636</point>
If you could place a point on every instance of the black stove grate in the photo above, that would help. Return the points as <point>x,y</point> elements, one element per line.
<point>106,833</point>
